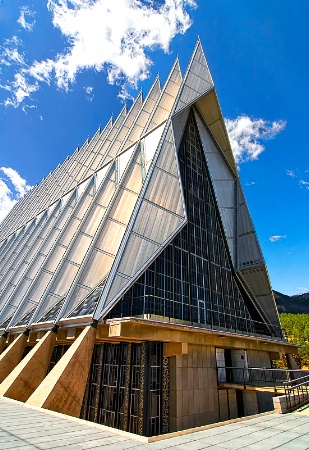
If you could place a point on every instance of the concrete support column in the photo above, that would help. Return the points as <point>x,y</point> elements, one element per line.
<point>31,371</point>
<point>12,355</point>
<point>292,364</point>
<point>63,388</point>
<point>193,387</point>
<point>3,339</point>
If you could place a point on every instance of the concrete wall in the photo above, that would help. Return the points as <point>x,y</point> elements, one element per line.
<point>193,388</point>
<point>265,401</point>
<point>250,403</point>
<point>258,358</point>
<point>227,404</point>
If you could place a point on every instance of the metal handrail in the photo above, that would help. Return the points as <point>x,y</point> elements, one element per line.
<point>296,394</point>
<point>260,376</point>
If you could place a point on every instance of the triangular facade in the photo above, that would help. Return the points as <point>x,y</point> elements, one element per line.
<point>158,181</point>
<point>133,289</point>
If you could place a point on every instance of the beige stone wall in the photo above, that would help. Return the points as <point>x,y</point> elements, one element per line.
<point>250,402</point>
<point>227,404</point>
<point>258,358</point>
<point>193,388</point>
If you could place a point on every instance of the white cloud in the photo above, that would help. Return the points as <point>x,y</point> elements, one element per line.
<point>25,11</point>
<point>21,89</point>
<point>89,92</point>
<point>276,238</point>
<point>245,134</point>
<point>303,289</point>
<point>291,173</point>
<point>6,199</point>
<point>12,189</point>
<point>105,35</point>
<point>302,183</point>
<point>10,54</point>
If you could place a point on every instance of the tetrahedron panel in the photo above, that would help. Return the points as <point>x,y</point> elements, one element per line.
<point>160,202</point>
<point>197,80</point>
<point>249,253</point>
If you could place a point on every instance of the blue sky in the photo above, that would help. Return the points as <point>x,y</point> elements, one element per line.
<point>66,67</point>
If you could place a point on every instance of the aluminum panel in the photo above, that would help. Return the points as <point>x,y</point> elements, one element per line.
<point>66,236</point>
<point>97,268</point>
<point>118,285</point>
<point>179,124</point>
<point>142,251</point>
<point>63,281</point>
<point>167,161</point>
<point>164,190</point>
<point>123,207</point>
<point>119,209</point>
<point>38,288</point>
<point>166,101</point>
<point>96,214</point>
<point>155,223</point>
<point>144,115</point>
<point>228,220</point>
<point>79,249</point>
<point>197,80</point>
<point>225,193</point>
<point>134,179</point>
<point>258,282</point>
<point>137,251</point>
<point>248,249</point>
<point>20,253</point>
<point>35,259</point>
<point>123,131</point>
<point>248,254</point>
<point>110,237</point>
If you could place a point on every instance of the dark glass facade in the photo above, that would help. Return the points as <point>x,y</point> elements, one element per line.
<point>192,280</point>
<point>124,388</point>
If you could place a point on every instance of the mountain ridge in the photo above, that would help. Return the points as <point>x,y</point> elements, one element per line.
<point>294,304</point>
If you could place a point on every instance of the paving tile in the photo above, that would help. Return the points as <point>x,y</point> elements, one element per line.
<point>300,443</point>
<point>66,442</point>
<point>23,429</point>
<point>192,445</point>
<point>79,435</point>
<point>98,444</point>
<point>167,443</point>
<point>20,445</point>
<point>272,442</point>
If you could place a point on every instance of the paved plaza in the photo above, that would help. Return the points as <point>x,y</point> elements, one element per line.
<point>24,428</point>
